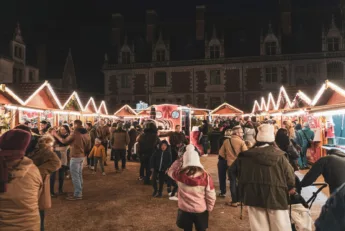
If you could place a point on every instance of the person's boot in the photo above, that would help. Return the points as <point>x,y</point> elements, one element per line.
<point>159,195</point>
<point>154,194</point>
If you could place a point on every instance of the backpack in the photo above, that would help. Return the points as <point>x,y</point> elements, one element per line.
<point>332,216</point>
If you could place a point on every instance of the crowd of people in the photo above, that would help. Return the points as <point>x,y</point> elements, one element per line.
<point>258,159</point>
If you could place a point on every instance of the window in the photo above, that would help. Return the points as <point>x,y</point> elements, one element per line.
<point>335,70</point>
<point>125,81</point>
<point>215,102</point>
<point>312,69</point>
<point>271,48</point>
<point>214,52</point>
<point>31,76</point>
<point>17,75</point>
<point>126,57</point>
<point>271,75</point>
<point>160,55</point>
<point>215,77</point>
<point>125,102</point>
<point>160,101</point>
<point>18,52</point>
<point>333,44</point>
<point>160,79</point>
<point>178,101</point>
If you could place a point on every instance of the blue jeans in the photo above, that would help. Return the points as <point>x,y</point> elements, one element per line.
<point>302,160</point>
<point>233,184</point>
<point>222,168</point>
<point>76,169</point>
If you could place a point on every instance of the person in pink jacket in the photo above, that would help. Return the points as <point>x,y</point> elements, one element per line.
<point>196,191</point>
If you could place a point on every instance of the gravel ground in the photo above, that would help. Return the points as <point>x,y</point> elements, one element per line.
<point>121,202</point>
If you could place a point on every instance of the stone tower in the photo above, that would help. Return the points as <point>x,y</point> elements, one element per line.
<point>69,80</point>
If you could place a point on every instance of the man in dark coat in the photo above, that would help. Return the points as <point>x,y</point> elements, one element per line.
<point>265,177</point>
<point>331,167</point>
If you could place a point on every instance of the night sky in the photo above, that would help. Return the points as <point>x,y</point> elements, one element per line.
<point>84,26</point>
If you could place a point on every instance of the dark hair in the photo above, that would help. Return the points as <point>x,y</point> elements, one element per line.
<point>191,170</point>
<point>298,127</point>
<point>44,122</point>
<point>35,130</point>
<point>27,122</point>
<point>113,125</point>
<point>89,124</point>
<point>78,123</point>
<point>282,139</point>
<point>23,127</point>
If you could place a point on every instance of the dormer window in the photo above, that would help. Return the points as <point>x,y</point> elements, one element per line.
<point>214,52</point>
<point>160,55</point>
<point>271,48</point>
<point>333,44</point>
<point>126,57</point>
<point>270,44</point>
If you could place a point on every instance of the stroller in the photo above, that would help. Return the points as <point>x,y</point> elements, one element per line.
<point>300,209</point>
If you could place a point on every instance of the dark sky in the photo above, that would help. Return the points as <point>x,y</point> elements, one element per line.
<point>84,26</point>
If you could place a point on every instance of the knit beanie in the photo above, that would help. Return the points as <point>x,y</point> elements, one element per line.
<point>265,133</point>
<point>13,144</point>
<point>191,157</point>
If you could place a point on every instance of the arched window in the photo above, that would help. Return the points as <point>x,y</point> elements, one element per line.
<point>214,51</point>
<point>271,48</point>
<point>335,70</point>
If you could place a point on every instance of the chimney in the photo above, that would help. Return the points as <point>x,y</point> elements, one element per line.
<point>285,16</point>
<point>151,22</point>
<point>42,60</point>
<point>116,29</point>
<point>200,22</point>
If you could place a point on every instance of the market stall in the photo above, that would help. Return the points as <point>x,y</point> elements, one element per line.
<point>90,111</point>
<point>72,109</point>
<point>39,104</point>
<point>328,111</point>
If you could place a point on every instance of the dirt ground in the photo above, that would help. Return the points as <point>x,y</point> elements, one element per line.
<point>121,202</point>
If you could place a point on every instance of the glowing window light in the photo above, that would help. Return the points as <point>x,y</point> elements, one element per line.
<point>331,112</point>
<point>295,113</point>
<point>318,95</point>
<point>285,95</point>
<point>130,109</point>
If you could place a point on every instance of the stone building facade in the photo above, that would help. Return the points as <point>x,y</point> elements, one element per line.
<point>233,65</point>
<point>14,69</point>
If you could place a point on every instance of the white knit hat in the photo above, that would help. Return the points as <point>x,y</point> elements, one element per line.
<point>191,157</point>
<point>265,133</point>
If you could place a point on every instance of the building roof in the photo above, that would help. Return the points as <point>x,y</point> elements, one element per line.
<point>24,90</point>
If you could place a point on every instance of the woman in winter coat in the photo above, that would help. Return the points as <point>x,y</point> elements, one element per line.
<point>197,194</point>
<point>47,162</point>
<point>61,151</point>
<point>222,165</point>
<point>249,133</point>
<point>147,145</point>
<point>160,162</point>
<point>20,184</point>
